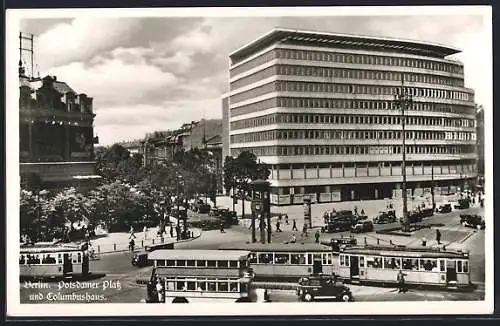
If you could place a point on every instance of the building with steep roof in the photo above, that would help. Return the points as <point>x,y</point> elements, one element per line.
<point>319,109</point>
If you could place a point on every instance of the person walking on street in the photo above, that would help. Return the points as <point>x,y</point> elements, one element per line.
<point>294,238</point>
<point>355,210</point>
<point>131,245</point>
<point>401,282</point>
<point>132,233</point>
<point>316,236</point>
<point>222,227</point>
<point>286,219</point>
<point>145,231</point>
<point>294,226</point>
<point>438,236</point>
<point>304,230</point>
<point>278,226</point>
<point>159,290</point>
<point>178,232</point>
<point>171,231</point>
<point>362,212</point>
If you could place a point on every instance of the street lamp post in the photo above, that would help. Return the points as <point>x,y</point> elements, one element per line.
<point>403,100</point>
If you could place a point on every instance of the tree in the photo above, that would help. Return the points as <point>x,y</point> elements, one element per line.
<point>240,171</point>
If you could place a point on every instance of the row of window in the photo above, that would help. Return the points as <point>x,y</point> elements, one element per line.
<point>289,258</point>
<point>323,72</point>
<point>414,264</point>
<point>350,119</point>
<point>452,165</point>
<point>206,285</point>
<point>315,87</point>
<point>48,259</point>
<point>353,150</point>
<point>361,59</point>
<point>201,263</point>
<point>271,135</point>
<point>317,103</point>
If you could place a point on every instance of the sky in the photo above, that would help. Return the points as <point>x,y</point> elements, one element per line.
<point>155,73</point>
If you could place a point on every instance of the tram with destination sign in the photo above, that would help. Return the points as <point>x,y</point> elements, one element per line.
<point>53,260</point>
<point>183,276</point>
<point>286,261</point>
<point>435,267</point>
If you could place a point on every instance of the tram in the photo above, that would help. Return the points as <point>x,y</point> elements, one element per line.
<point>184,276</point>
<point>434,267</point>
<point>52,260</point>
<point>286,261</point>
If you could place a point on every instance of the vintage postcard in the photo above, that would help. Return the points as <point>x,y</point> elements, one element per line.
<point>270,161</point>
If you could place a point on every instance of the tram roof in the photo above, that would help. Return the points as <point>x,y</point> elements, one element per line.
<point>403,251</point>
<point>202,254</point>
<point>42,247</point>
<point>278,247</point>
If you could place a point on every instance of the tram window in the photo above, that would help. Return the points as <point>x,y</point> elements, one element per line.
<point>211,263</point>
<point>442,265</point>
<point>298,259</point>
<point>410,264</point>
<point>181,263</point>
<point>59,259</point>
<point>428,265</point>
<point>170,286</point>
<point>374,262</point>
<point>459,266</point>
<point>243,264</point>
<point>35,259</point>
<point>161,262</point>
<point>222,263</point>
<point>201,263</point>
<point>212,286</point>
<point>244,287</point>
<point>233,286</point>
<point>392,263</point>
<point>191,286</point>
<point>49,259</point>
<point>190,263</point>
<point>233,264</point>
<point>465,266</point>
<point>361,261</point>
<point>327,259</point>
<point>252,258</point>
<point>223,287</point>
<point>169,262</point>
<point>342,261</point>
<point>202,286</point>
<point>79,257</point>
<point>282,258</point>
<point>265,258</point>
<point>180,285</point>
<point>22,260</point>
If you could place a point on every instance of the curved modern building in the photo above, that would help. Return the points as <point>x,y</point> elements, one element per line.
<point>319,109</point>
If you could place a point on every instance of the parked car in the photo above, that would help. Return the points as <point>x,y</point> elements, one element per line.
<point>322,287</point>
<point>362,226</point>
<point>385,217</point>
<point>444,208</point>
<point>140,259</point>
<point>337,243</point>
<point>472,221</point>
<point>462,204</point>
<point>200,207</point>
<point>339,224</point>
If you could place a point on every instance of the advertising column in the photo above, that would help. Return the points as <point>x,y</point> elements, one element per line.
<point>307,212</point>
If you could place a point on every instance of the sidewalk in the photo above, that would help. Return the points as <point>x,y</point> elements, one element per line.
<point>117,242</point>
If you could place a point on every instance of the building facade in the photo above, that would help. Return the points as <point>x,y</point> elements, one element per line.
<point>319,109</point>
<point>56,137</point>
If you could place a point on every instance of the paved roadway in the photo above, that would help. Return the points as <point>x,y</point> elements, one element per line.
<point>120,275</point>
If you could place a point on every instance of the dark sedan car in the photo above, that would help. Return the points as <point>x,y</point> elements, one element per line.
<point>322,287</point>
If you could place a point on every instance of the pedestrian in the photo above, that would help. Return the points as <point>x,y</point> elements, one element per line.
<point>438,236</point>
<point>294,226</point>
<point>316,236</point>
<point>159,290</point>
<point>286,219</point>
<point>132,233</point>
<point>362,212</point>
<point>293,239</point>
<point>355,210</point>
<point>171,231</point>
<point>178,232</point>
<point>401,282</point>
<point>304,230</point>
<point>424,241</point>
<point>279,217</point>
<point>222,227</point>
<point>131,245</point>
<point>278,226</point>
<point>145,231</point>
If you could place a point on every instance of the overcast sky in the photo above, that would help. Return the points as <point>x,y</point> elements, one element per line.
<point>149,74</point>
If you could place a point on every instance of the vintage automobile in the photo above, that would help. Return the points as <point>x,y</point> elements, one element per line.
<point>472,221</point>
<point>322,287</point>
<point>362,226</point>
<point>385,217</point>
<point>339,221</point>
<point>463,204</point>
<point>200,207</point>
<point>228,217</point>
<point>444,208</point>
<point>342,242</point>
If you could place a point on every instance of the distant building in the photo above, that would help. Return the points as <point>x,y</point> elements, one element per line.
<point>480,140</point>
<point>56,145</point>
<point>318,108</point>
<point>225,126</point>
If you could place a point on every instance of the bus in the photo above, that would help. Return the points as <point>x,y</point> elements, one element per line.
<point>53,260</point>
<point>435,267</point>
<point>200,276</point>
<point>286,261</point>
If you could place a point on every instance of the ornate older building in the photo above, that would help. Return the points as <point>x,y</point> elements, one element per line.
<point>319,109</point>
<point>56,137</point>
